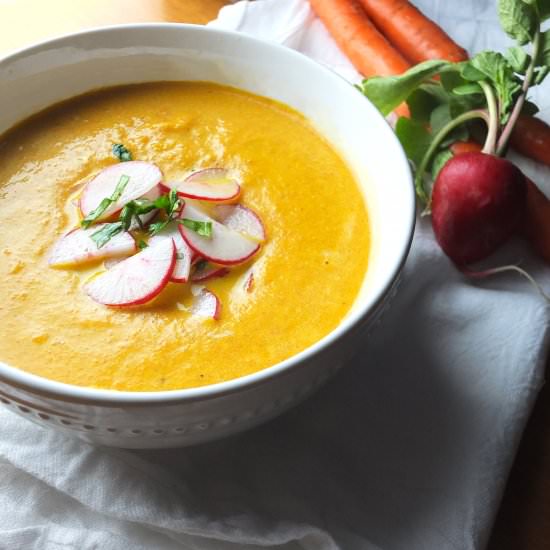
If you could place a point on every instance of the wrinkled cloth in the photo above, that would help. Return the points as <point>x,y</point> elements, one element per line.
<point>407,448</point>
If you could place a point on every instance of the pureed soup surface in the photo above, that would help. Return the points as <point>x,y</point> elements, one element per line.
<point>306,276</point>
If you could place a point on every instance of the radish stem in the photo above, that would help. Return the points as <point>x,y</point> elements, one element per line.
<point>507,132</point>
<point>493,125</point>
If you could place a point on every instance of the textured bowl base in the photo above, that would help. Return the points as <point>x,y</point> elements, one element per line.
<point>176,431</point>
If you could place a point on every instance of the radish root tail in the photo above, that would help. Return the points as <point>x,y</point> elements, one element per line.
<point>506,269</point>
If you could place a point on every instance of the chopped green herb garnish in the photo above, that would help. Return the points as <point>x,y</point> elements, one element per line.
<point>204,229</point>
<point>142,244</point>
<point>170,203</point>
<point>163,202</point>
<point>141,206</point>
<point>157,227</point>
<point>106,233</point>
<point>121,153</point>
<point>127,213</point>
<point>105,203</point>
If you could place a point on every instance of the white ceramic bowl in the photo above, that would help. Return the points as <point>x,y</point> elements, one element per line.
<point>47,73</point>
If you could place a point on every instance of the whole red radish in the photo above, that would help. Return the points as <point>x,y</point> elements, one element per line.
<point>478,202</point>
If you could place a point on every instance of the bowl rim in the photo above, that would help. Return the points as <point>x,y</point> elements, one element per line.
<point>62,391</point>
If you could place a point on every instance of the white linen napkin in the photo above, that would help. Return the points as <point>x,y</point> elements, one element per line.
<point>408,448</point>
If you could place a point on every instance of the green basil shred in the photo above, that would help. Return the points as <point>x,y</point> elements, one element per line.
<point>121,153</point>
<point>204,229</point>
<point>105,203</point>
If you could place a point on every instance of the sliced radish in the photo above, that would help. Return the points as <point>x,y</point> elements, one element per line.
<point>225,246</point>
<point>208,271</point>
<point>77,247</point>
<point>109,263</point>
<point>136,280</point>
<point>183,253</point>
<point>241,219</point>
<point>212,184</point>
<point>205,303</point>
<point>143,177</point>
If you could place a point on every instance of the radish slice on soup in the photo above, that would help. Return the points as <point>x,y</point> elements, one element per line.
<point>136,280</point>
<point>109,263</point>
<point>212,184</point>
<point>205,303</point>
<point>241,219</point>
<point>141,178</point>
<point>224,246</point>
<point>183,253</point>
<point>77,247</point>
<point>204,271</point>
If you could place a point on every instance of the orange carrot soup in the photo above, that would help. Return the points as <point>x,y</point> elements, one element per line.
<point>172,235</point>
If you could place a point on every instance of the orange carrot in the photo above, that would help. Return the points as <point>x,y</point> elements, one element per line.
<point>531,137</point>
<point>357,37</point>
<point>370,53</point>
<point>411,32</point>
<point>537,220</point>
<point>459,147</point>
<point>419,39</point>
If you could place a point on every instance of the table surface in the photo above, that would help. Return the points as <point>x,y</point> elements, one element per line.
<point>523,521</point>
